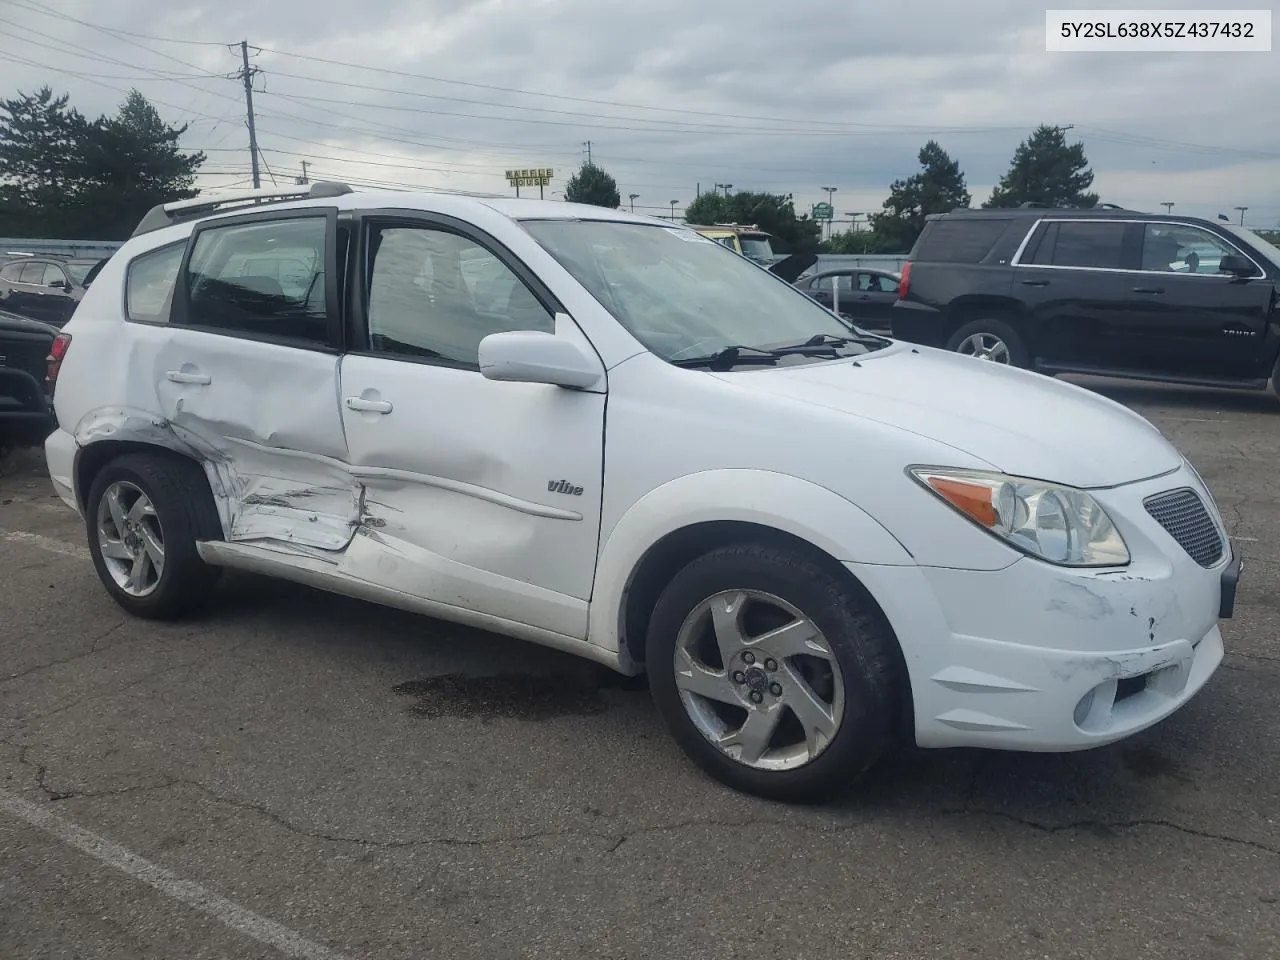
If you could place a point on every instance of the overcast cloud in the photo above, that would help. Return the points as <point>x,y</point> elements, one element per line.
<point>786,97</point>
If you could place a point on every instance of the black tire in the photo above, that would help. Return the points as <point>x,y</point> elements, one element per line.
<point>1018,354</point>
<point>179,491</point>
<point>861,640</point>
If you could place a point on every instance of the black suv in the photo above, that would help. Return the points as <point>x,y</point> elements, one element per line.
<point>1099,291</point>
<point>44,288</point>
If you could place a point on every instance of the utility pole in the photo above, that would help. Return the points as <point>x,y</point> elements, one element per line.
<point>1242,210</point>
<point>303,178</point>
<point>246,74</point>
<point>587,144</point>
<point>1168,207</point>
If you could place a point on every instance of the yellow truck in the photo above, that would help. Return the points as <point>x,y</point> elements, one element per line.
<point>749,241</point>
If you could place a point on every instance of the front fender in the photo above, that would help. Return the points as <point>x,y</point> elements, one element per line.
<point>786,503</point>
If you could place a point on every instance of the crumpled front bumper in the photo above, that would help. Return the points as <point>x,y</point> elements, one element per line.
<point>1044,658</point>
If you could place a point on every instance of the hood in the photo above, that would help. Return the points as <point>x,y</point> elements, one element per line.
<point>1021,423</point>
<point>789,268</point>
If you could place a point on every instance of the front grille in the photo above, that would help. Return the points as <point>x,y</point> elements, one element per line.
<point>1183,515</point>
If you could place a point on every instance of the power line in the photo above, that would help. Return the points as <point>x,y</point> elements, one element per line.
<point>40,8</point>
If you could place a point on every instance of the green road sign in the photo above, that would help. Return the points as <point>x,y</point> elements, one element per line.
<point>823,211</point>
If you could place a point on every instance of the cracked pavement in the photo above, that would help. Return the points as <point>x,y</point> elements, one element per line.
<point>519,807</point>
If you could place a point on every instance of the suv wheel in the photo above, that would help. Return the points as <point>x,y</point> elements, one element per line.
<point>991,340</point>
<point>145,514</point>
<point>771,673</point>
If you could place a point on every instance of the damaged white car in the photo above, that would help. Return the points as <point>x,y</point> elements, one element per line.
<point>604,433</point>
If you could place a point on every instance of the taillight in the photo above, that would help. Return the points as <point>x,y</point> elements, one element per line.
<point>61,343</point>
<point>904,283</point>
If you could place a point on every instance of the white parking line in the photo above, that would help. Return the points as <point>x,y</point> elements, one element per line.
<point>192,894</point>
<point>46,543</point>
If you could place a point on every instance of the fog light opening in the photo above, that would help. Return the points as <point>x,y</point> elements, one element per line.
<point>1093,712</point>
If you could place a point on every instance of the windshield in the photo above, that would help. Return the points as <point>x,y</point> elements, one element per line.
<point>681,294</point>
<point>78,271</point>
<point>757,248</point>
<point>1268,250</point>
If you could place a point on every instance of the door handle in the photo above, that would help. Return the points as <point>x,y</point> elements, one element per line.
<point>1035,283</point>
<point>1148,290</point>
<point>182,376</point>
<point>865,296</point>
<point>368,406</point>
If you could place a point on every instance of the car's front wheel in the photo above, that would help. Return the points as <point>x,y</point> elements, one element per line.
<point>773,673</point>
<point>145,514</point>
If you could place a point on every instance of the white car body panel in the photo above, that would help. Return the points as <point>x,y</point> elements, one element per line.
<point>451,503</point>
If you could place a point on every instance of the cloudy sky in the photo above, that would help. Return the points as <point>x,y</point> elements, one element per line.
<point>760,94</point>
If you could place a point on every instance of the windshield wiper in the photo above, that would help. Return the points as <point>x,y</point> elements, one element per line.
<point>730,356</point>
<point>737,355</point>
<point>831,340</point>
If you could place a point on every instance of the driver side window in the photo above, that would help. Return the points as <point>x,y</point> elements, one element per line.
<point>434,295</point>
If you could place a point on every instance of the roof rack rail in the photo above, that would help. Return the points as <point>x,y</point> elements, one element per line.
<point>180,211</point>
<point>1108,206</point>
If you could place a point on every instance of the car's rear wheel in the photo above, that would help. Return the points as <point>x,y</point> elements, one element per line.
<point>772,671</point>
<point>145,514</point>
<point>992,340</point>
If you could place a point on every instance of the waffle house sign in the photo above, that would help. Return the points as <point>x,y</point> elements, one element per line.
<point>540,177</point>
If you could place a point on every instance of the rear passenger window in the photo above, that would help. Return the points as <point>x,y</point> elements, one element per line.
<point>149,284</point>
<point>32,273</point>
<point>264,278</point>
<point>964,240</point>
<point>1081,244</point>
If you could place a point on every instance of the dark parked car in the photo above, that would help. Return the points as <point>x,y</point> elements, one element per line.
<point>1099,291</point>
<point>866,296</point>
<point>25,347</point>
<point>44,288</point>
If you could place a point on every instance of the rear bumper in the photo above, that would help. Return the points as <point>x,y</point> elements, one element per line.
<point>917,323</point>
<point>60,450</point>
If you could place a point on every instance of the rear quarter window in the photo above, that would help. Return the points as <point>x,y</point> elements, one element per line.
<point>149,284</point>
<point>959,241</point>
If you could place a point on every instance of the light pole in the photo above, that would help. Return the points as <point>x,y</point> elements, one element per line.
<point>1242,210</point>
<point>1168,206</point>
<point>632,197</point>
<point>673,209</point>
<point>726,187</point>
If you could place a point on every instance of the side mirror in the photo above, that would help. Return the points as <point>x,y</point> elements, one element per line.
<point>1236,265</point>
<point>528,356</point>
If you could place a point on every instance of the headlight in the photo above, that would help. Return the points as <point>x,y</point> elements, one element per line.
<point>1059,524</point>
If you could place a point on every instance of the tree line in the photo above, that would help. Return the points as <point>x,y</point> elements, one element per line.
<point>1045,169</point>
<point>67,176</point>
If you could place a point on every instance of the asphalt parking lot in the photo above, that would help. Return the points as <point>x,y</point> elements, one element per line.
<point>304,775</point>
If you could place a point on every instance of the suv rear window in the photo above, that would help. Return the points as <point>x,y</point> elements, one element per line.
<point>965,240</point>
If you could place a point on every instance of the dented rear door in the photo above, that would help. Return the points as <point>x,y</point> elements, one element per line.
<point>247,372</point>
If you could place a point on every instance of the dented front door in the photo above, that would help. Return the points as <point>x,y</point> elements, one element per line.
<point>478,494</point>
